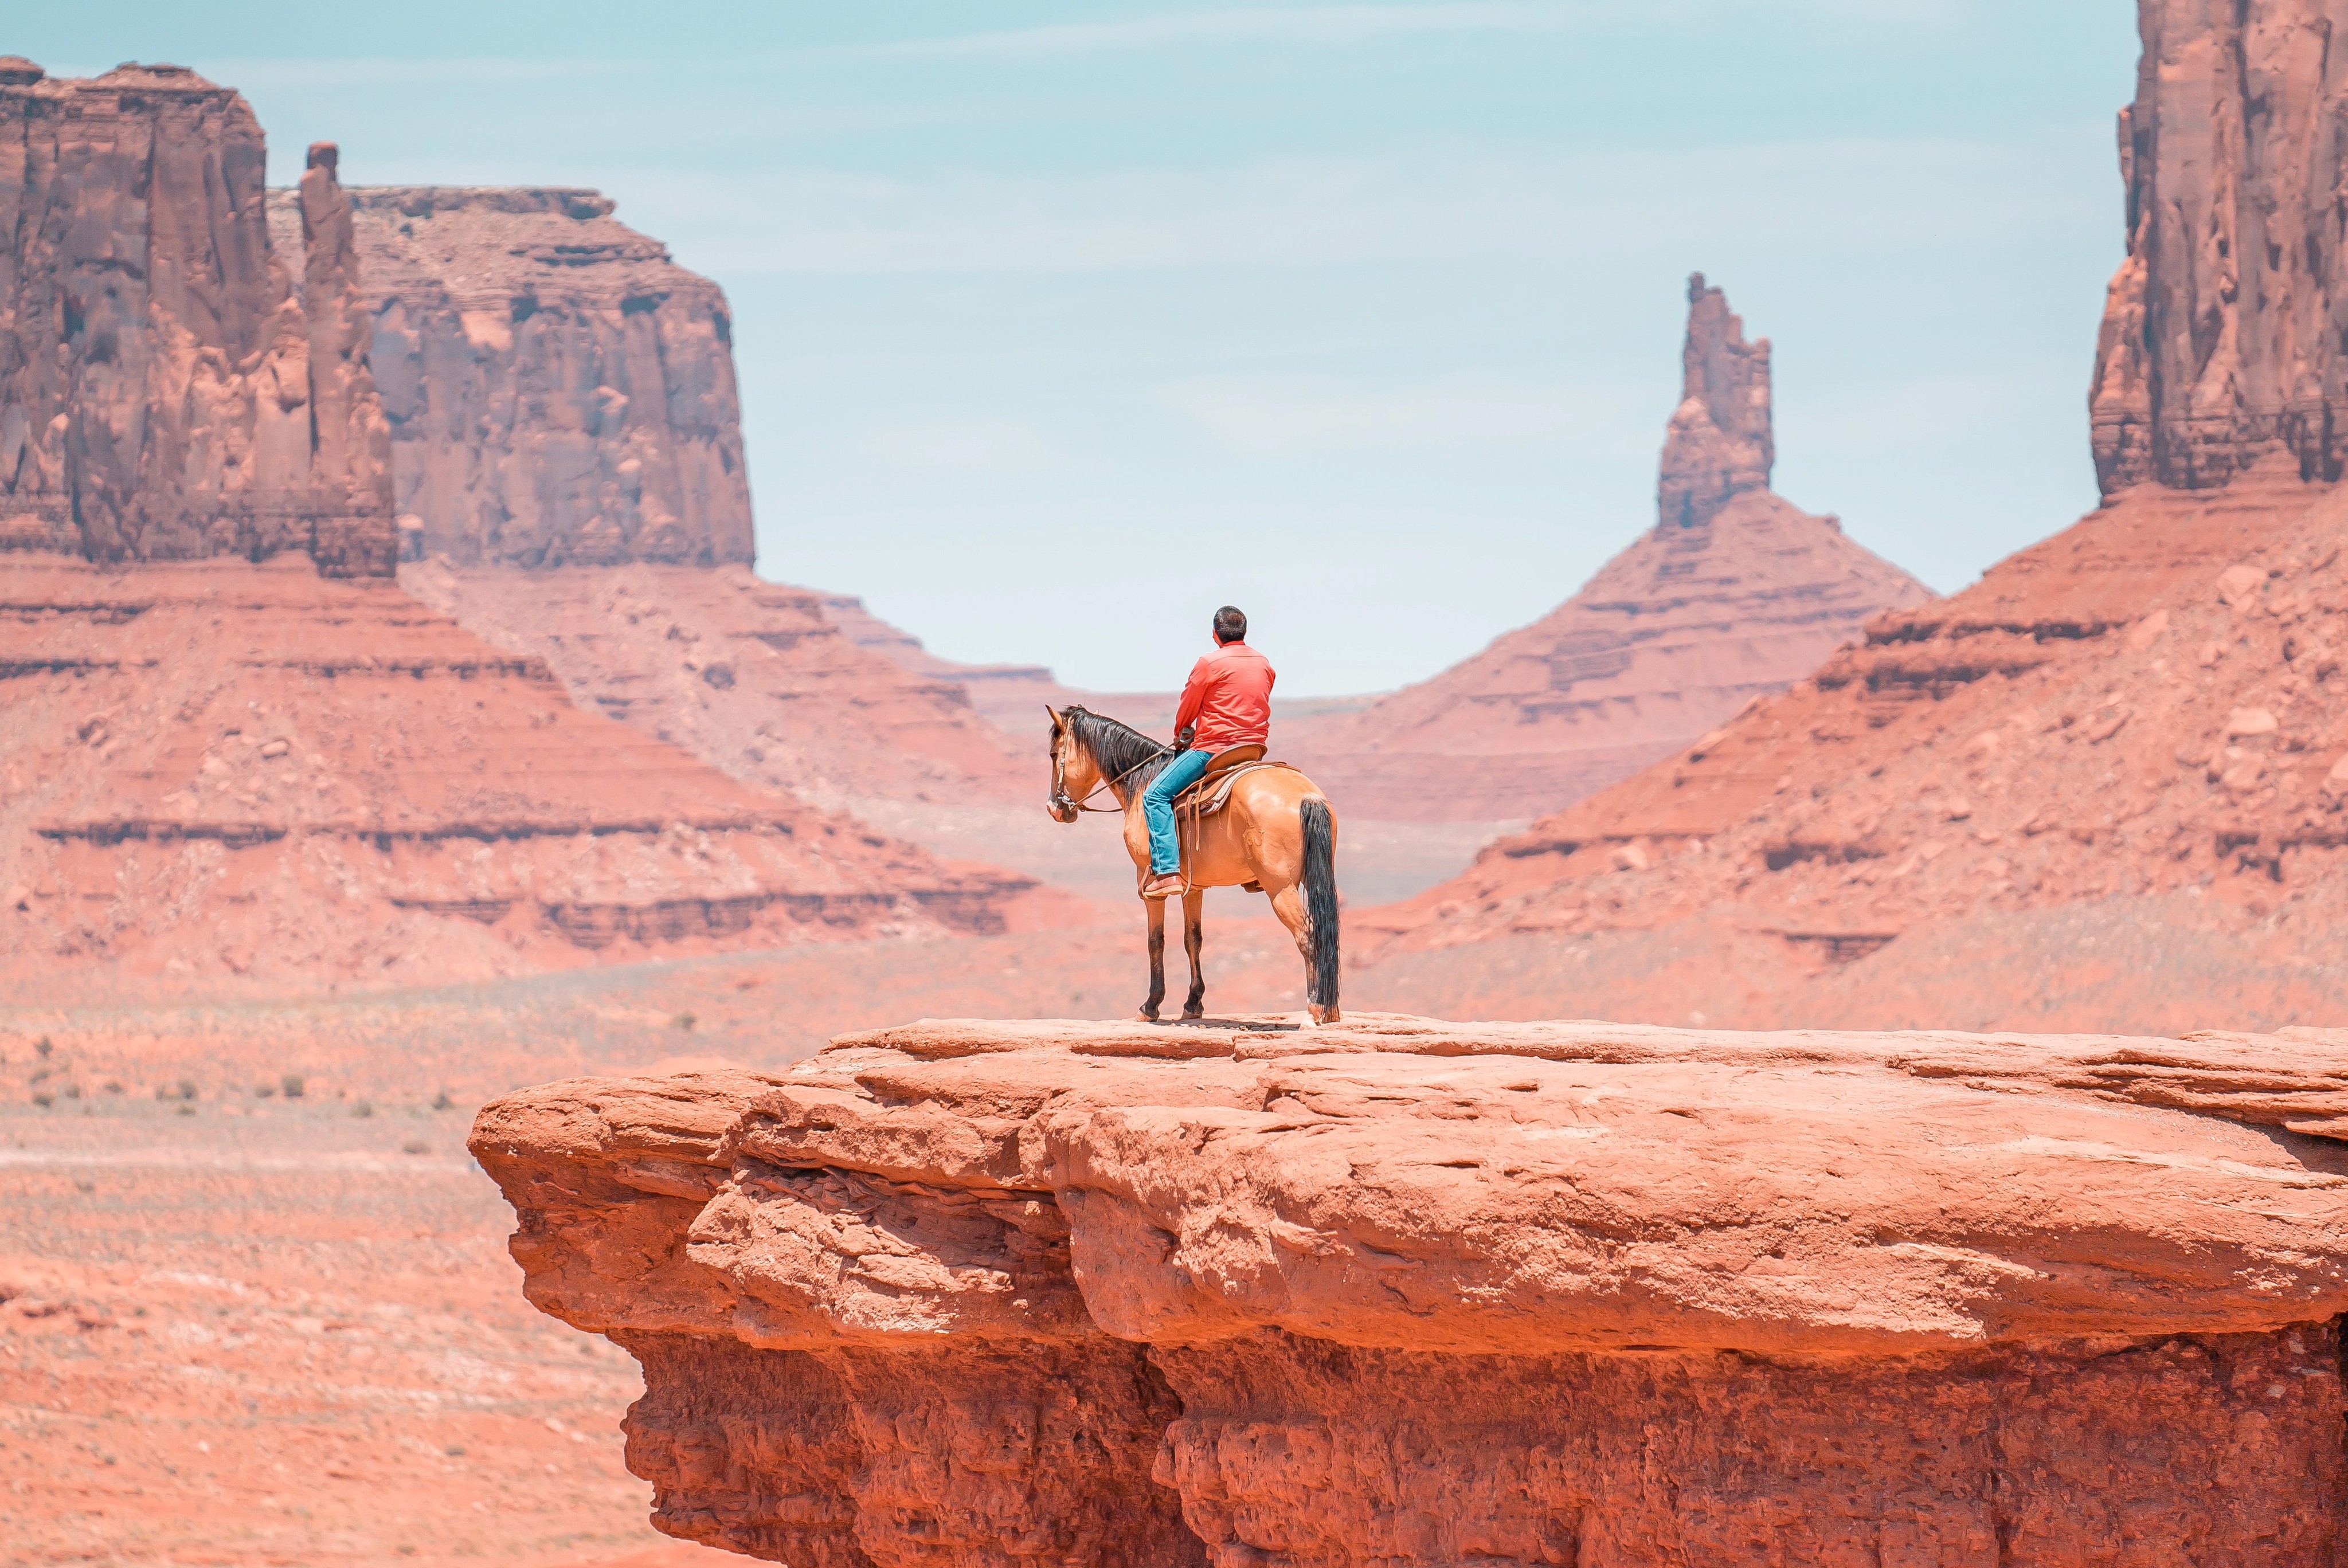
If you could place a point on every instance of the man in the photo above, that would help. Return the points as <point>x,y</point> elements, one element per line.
<point>1227,703</point>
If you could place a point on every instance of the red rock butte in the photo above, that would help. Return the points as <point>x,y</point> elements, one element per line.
<point>235,746</point>
<point>1404,1292</point>
<point>558,389</point>
<point>1735,594</point>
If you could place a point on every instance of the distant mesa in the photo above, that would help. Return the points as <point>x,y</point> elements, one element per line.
<point>559,390</point>
<point>219,766</point>
<point>1735,594</point>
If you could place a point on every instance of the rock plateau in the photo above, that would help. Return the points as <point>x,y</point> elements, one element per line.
<point>1736,593</point>
<point>1400,1292</point>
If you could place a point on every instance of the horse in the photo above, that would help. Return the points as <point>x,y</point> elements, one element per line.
<point>1276,835</point>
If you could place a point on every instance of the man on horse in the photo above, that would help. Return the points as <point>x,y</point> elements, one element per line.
<point>1227,703</point>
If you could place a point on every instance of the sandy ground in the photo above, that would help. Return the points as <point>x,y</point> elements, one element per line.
<point>238,1327</point>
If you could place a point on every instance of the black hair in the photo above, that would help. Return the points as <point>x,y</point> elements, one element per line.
<point>1231,624</point>
<point>1127,758</point>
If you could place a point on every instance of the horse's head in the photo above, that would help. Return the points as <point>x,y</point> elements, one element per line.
<point>1075,774</point>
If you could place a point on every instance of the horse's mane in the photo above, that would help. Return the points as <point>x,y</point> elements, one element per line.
<point>1123,753</point>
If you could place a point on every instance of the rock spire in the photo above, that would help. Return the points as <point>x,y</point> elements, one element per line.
<point>1719,445</point>
<point>1735,594</point>
<point>2221,341</point>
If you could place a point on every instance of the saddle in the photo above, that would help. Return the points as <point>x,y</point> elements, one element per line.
<point>1213,790</point>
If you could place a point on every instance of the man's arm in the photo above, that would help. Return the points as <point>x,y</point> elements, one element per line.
<point>1194,696</point>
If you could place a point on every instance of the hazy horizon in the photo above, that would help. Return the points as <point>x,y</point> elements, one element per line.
<point>1057,330</point>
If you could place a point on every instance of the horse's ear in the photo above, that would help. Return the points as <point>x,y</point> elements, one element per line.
<point>1055,718</point>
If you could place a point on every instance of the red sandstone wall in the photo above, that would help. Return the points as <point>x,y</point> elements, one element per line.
<point>2221,341</point>
<point>159,387</point>
<point>559,391</point>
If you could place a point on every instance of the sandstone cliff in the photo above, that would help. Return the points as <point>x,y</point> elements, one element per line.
<point>162,395</point>
<point>1734,594</point>
<point>1399,1292</point>
<point>2221,341</point>
<point>559,390</point>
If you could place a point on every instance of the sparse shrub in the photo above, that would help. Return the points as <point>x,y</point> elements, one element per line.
<point>186,1089</point>
<point>186,1108</point>
<point>363,1108</point>
<point>113,1086</point>
<point>44,1098</point>
<point>685,1021</point>
<point>416,1146</point>
<point>43,1046</point>
<point>263,1091</point>
<point>455,1450</point>
<point>73,1091</point>
<point>291,1084</point>
<point>441,1101</point>
<point>41,1074</point>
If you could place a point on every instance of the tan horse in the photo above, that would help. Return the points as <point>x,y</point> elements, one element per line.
<point>1277,836</point>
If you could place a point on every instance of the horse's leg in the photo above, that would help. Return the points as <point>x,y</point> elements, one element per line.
<point>1288,903</point>
<point>1156,959</point>
<point>1193,934</point>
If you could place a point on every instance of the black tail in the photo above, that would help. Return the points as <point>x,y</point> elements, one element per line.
<point>1321,898</point>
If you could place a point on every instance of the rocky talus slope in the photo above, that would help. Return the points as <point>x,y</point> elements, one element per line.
<point>216,768</point>
<point>752,677</point>
<point>1401,1292</point>
<point>163,393</point>
<point>2102,786</point>
<point>1736,593</point>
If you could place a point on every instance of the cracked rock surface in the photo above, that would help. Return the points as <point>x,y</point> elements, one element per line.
<point>1403,1291</point>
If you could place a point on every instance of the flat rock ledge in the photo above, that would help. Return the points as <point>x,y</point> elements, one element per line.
<point>1404,1292</point>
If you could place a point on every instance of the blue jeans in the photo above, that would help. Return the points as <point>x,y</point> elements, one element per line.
<point>1157,808</point>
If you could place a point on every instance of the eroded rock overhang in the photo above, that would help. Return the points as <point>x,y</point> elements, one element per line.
<point>1400,1291</point>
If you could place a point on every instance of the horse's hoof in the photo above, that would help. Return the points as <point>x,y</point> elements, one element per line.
<point>1190,1014</point>
<point>1145,1018</point>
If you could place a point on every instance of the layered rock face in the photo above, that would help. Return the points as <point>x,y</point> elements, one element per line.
<point>559,390</point>
<point>2222,340</point>
<point>216,769</point>
<point>1398,1292</point>
<point>1735,594</point>
<point>163,396</point>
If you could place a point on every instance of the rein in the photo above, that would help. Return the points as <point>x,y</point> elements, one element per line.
<point>1060,787</point>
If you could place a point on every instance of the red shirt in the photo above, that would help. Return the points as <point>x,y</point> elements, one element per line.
<point>1228,698</point>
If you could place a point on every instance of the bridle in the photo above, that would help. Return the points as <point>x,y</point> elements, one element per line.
<point>1060,801</point>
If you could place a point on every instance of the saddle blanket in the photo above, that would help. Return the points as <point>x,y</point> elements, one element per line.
<point>1211,794</point>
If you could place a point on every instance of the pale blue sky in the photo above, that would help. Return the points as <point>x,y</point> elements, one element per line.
<point>1061,324</point>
